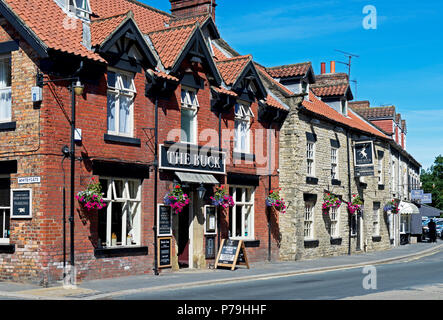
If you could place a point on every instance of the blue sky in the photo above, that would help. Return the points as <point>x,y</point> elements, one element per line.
<point>400,63</point>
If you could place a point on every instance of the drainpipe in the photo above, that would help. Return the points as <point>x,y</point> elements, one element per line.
<point>270,188</point>
<point>219,149</point>
<point>349,187</point>
<point>156,162</point>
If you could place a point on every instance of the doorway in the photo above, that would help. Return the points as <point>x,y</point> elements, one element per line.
<point>185,219</point>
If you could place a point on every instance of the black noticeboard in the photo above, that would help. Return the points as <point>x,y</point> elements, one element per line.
<point>21,200</point>
<point>232,253</point>
<point>164,253</point>
<point>164,221</point>
<point>210,247</point>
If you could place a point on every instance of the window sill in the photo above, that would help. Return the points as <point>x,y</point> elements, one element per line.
<point>312,243</point>
<point>7,248</point>
<point>243,156</point>
<point>122,140</point>
<point>311,180</point>
<point>336,241</point>
<point>8,126</point>
<point>376,239</point>
<point>121,252</point>
<point>252,243</point>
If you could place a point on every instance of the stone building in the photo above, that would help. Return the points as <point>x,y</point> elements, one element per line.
<point>404,170</point>
<point>317,158</point>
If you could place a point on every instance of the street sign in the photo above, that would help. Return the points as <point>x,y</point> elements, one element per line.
<point>417,194</point>
<point>426,198</point>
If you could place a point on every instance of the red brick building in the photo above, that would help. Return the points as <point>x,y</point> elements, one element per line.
<point>157,93</point>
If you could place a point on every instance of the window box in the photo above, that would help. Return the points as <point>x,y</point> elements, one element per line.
<point>121,252</point>
<point>7,126</point>
<point>336,241</point>
<point>309,244</point>
<point>311,180</point>
<point>122,140</point>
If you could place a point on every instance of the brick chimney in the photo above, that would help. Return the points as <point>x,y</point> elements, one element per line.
<point>189,8</point>
<point>323,67</point>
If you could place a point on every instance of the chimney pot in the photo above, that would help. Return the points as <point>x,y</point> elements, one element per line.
<point>332,66</point>
<point>323,68</point>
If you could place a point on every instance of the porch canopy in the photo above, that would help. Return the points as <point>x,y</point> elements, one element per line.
<point>197,178</point>
<point>408,208</point>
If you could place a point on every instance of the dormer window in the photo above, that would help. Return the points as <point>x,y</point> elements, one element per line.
<point>80,8</point>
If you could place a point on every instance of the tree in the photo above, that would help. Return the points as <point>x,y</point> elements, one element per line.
<point>432,180</point>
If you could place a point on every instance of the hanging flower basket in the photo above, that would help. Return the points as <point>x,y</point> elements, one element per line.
<point>222,198</point>
<point>92,198</point>
<point>275,201</point>
<point>330,201</point>
<point>393,206</point>
<point>177,199</point>
<point>355,205</point>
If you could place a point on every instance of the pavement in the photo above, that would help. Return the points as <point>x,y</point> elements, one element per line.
<point>117,287</point>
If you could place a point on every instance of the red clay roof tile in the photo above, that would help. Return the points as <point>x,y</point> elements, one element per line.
<point>230,69</point>
<point>293,70</point>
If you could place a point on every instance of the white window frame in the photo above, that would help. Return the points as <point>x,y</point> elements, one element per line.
<point>128,205</point>
<point>117,91</point>
<point>243,116</point>
<point>309,221</point>
<point>4,240</point>
<point>376,219</point>
<point>251,204</point>
<point>334,163</point>
<point>310,159</point>
<point>380,171</point>
<point>7,89</point>
<point>405,224</point>
<point>80,12</point>
<point>335,222</point>
<point>189,104</point>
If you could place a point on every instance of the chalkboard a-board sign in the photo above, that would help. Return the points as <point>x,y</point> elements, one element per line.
<point>21,203</point>
<point>232,253</point>
<point>164,253</point>
<point>164,221</point>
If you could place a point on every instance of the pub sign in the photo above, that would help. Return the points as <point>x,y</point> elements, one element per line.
<point>21,200</point>
<point>181,157</point>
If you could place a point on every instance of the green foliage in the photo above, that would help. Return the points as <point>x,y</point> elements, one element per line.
<point>432,180</point>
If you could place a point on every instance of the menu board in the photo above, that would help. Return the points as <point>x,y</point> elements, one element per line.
<point>164,221</point>
<point>232,253</point>
<point>210,251</point>
<point>164,253</point>
<point>21,200</point>
<point>211,220</point>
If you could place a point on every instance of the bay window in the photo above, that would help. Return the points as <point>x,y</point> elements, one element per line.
<point>189,109</point>
<point>243,116</point>
<point>5,209</point>
<point>120,220</point>
<point>241,216</point>
<point>5,88</point>
<point>121,94</point>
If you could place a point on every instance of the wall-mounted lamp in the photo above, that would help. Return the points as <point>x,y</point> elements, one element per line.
<point>78,88</point>
<point>201,192</point>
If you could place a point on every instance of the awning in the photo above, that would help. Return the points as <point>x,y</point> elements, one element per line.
<point>408,208</point>
<point>197,178</point>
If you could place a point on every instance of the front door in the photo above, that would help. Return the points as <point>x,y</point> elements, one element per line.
<point>184,238</point>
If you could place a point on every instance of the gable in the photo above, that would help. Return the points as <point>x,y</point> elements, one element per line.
<point>249,84</point>
<point>125,48</point>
